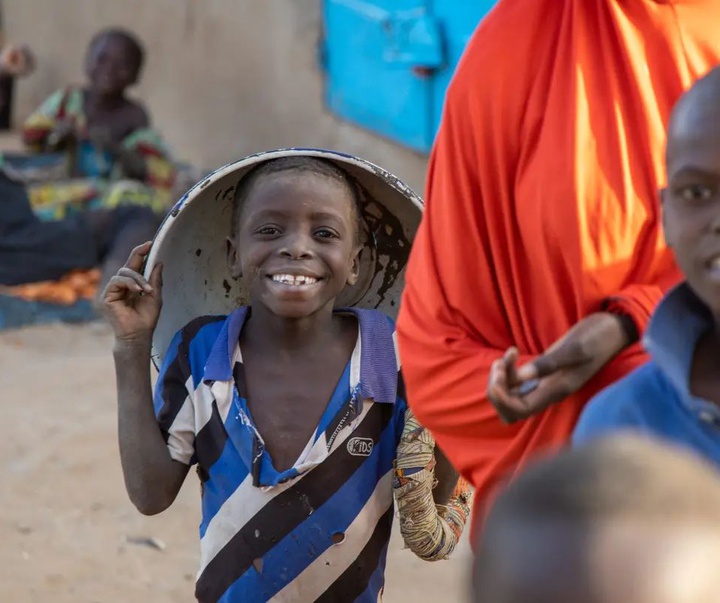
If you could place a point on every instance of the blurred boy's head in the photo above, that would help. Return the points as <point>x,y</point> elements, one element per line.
<point>114,61</point>
<point>623,519</point>
<point>691,201</point>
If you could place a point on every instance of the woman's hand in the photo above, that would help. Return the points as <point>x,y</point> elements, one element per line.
<point>566,366</point>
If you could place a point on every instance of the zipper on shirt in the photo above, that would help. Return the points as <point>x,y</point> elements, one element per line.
<point>257,451</point>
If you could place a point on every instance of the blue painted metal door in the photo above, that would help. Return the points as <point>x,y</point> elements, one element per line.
<point>388,62</point>
<point>376,59</point>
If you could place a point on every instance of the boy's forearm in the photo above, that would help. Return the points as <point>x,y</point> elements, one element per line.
<point>446,476</point>
<point>152,477</point>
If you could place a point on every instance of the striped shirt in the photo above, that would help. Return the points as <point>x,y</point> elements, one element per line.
<point>316,532</point>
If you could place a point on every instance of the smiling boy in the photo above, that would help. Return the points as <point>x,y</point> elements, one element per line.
<point>292,409</point>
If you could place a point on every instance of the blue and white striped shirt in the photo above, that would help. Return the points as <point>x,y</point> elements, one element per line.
<point>316,532</point>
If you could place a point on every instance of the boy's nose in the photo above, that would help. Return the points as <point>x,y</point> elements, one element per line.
<point>297,247</point>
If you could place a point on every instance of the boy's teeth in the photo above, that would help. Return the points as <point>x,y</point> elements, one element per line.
<point>290,279</point>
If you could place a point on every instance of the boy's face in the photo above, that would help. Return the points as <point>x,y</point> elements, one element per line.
<point>691,201</point>
<point>295,245</point>
<point>110,68</point>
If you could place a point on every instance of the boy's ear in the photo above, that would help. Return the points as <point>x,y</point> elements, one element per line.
<point>663,211</point>
<point>355,268</point>
<point>233,258</point>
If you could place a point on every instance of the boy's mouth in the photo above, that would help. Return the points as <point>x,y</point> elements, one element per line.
<point>295,280</point>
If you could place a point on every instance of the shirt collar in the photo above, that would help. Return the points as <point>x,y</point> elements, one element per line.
<point>378,358</point>
<point>677,324</point>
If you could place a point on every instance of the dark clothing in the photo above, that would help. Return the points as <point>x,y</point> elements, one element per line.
<point>32,250</point>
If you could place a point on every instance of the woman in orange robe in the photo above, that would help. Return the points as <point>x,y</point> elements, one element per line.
<point>542,214</point>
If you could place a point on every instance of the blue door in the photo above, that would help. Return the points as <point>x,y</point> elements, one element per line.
<point>376,58</point>
<point>388,62</point>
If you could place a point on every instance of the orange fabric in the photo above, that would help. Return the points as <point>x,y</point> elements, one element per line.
<point>542,204</point>
<point>78,284</point>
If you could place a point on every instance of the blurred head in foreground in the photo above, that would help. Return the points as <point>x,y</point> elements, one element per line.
<point>623,519</point>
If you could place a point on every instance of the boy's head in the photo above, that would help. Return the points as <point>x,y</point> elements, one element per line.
<point>622,519</point>
<point>296,234</point>
<point>691,201</point>
<point>114,61</point>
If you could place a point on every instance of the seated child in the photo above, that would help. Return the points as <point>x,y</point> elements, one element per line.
<point>93,153</point>
<point>622,519</point>
<point>676,396</point>
<point>291,409</point>
<point>113,156</point>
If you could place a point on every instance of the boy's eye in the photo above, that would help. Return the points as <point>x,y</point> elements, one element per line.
<point>696,193</point>
<point>325,233</point>
<point>267,230</point>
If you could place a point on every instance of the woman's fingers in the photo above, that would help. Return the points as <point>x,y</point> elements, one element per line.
<point>508,407</point>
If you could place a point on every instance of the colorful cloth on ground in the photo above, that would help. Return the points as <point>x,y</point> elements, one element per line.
<point>656,399</point>
<point>273,536</point>
<point>542,207</point>
<point>101,182</point>
<point>75,285</point>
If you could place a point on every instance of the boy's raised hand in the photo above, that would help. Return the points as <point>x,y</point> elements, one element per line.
<point>132,303</point>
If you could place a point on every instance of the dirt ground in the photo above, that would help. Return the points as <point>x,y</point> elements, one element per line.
<point>68,532</point>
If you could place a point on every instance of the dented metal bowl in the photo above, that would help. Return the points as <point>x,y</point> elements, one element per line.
<point>190,243</point>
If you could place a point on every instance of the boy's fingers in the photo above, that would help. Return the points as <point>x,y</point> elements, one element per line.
<point>137,278</point>
<point>118,287</point>
<point>137,256</point>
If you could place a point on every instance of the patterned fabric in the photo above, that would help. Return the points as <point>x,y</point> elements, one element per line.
<point>430,531</point>
<point>101,182</point>
<point>316,532</point>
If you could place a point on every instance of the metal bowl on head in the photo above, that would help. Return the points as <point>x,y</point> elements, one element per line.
<point>190,243</point>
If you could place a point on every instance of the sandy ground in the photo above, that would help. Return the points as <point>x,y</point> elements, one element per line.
<point>68,532</point>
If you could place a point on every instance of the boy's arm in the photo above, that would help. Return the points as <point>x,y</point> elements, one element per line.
<point>446,478</point>
<point>152,477</point>
<point>154,470</point>
<point>432,510</point>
